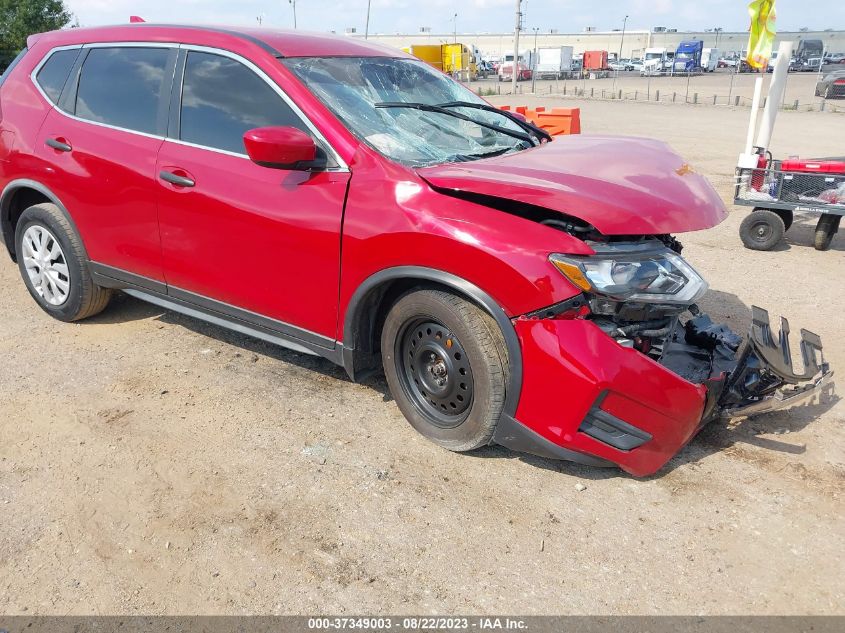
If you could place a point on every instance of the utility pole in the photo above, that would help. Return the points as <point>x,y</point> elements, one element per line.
<point>367,23</point>
<point>622,41</point>
<point>536,30</point>
<point>516,43</point>
<point>293,4</point>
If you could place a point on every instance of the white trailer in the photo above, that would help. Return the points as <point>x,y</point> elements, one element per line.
<point>553,62</point>
<point>709,59</point>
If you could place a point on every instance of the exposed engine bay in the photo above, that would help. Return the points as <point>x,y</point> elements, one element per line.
<point>642,294</point>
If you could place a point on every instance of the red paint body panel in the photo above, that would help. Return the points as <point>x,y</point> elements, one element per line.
<point>266,240</point>
<point>620,185</point>
<point>393,218</point>
<point>295,246</point>
<point>108,181</point>
<point>568,364</point>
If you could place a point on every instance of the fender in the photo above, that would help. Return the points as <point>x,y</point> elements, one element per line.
<point>358,301</point>
<point>5,212</point>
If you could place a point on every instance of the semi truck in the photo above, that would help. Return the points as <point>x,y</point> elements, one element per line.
<point>688,57</point>
<point>523,64</point>
<point>457,60</point>
<point>553,62</point>
<point>656,61</point>
<point>809,56</point>
<point>595,61</point>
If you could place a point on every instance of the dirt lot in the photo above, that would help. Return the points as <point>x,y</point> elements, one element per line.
<point>152,464</point>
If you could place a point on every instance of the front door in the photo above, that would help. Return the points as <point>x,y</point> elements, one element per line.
<point>253,242</point>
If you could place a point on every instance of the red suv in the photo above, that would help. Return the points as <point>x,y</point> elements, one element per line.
<point>347,200</point>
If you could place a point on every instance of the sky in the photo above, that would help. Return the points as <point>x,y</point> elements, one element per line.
<point>474,16</point>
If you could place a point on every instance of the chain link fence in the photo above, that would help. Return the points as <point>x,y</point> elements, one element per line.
<point>690,90</point>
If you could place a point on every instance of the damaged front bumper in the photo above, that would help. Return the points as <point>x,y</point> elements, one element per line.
<point>588,398</point>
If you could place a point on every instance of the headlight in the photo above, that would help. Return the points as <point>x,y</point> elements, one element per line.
<point>638,272</point>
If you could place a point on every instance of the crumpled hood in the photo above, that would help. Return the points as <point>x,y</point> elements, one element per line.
<point>620,185</point>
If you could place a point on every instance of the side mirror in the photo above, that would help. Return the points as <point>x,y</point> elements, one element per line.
<point>280,147</point>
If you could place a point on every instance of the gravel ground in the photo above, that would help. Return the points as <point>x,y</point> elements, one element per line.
<point>152,464</point>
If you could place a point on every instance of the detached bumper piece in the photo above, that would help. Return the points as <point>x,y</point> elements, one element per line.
<point>585,397</point>
<point>765,379</point>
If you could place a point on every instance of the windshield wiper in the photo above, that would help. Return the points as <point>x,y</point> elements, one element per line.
<point>529,127</point>
<point>468,157</point>
<point>427,107</point>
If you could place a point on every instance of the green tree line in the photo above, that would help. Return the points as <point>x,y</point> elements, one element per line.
<point>21,18</point>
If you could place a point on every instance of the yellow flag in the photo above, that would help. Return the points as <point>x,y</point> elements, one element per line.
<point>761,32</point>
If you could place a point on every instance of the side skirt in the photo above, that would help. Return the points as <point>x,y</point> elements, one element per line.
<point>218,313</point>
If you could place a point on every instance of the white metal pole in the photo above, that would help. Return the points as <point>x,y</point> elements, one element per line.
<point>516,42</point>
<point>777,88</point>
<point>752,121</point>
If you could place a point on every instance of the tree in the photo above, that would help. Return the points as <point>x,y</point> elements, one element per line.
<point>21,18</point>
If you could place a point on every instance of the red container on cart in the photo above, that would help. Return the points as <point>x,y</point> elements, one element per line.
<point>814,166</point>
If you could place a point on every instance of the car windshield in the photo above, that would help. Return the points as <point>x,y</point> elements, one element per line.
<point>353,88</point>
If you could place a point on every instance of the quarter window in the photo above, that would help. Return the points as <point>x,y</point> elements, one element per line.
<point>121,86</point>
<point>222,99</point>
<point>54,73</point>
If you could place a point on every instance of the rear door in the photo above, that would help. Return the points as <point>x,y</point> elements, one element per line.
<point>101,142</point>
<point>252,242</point>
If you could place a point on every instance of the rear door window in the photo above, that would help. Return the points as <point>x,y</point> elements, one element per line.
<point>54,73</point>
<point>222,99</point>
<point>123,86</point>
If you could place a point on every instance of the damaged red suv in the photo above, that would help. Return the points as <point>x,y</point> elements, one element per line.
<point>346,200</point>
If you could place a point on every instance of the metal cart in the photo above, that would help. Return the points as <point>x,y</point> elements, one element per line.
<point>777,194</point>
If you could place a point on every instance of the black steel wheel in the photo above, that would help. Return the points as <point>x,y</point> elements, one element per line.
<point>762,230</point>
<point>435,371</point>
<point>446,364</point>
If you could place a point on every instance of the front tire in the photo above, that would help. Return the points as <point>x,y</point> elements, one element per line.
<point>446,364</point>
<point>52,262</point>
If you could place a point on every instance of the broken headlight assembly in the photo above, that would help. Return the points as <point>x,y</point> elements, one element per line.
<point>646,272</point>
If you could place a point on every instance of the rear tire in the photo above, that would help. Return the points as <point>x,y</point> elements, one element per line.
<point>446,364</point>
<point>762,230</point>
<point>827,227</point>
<point>53,265</point>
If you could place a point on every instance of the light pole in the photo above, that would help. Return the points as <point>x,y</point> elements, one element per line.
<point>533,65</point>
<point>622,41</point>
<point>455,28</point>
<point>367,23</point>
<point>293,4</point>
<point>718,31</point>
<point>516,42</point>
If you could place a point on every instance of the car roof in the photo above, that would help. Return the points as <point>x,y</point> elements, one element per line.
<point>279,42</point>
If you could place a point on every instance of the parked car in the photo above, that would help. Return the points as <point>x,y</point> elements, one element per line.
<point>485,69</point>
<point>832,86</point>
<point>728,62</point>
<point>350,201</point>
<point>619,66</point>
<point>636,65</point>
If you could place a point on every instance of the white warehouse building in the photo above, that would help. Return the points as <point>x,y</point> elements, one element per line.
<point>634,44</point>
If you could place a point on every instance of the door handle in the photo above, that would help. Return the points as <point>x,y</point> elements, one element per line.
<point>59,144</point>
<point>175,179</point>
